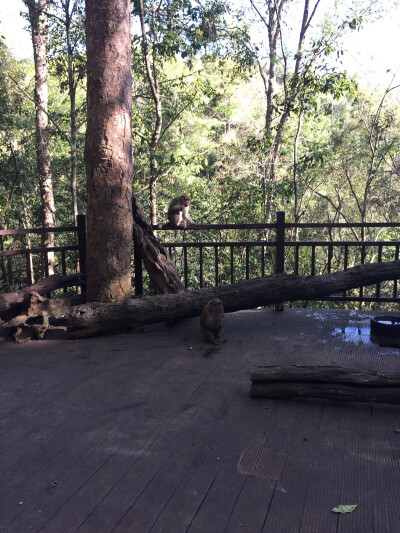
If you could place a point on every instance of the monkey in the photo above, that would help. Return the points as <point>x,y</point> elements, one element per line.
<point>178,211</point>
<point>212,321</point>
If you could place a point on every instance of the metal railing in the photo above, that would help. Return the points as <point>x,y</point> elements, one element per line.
<point>35,259</point>
<point>215,254</point>
<point>278,247</point>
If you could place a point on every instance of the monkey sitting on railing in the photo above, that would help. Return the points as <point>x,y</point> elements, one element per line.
<point>178,211</point>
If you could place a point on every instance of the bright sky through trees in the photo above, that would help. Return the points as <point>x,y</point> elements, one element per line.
<point>370,52</point>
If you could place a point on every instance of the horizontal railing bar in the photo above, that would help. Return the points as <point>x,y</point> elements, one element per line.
<point>343,225</point>
<point>26,251</point>
<point>198,227</point>
<point>358,299</point>
<point>340,243</point>
<point>273,243</point>
<point>238,244</point>
<point>37,230</point>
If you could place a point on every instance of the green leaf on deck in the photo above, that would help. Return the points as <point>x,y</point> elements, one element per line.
<point>344,509</point>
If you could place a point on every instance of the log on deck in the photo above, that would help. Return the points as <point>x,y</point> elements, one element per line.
<point>95,318</point>
<point>332,383</point>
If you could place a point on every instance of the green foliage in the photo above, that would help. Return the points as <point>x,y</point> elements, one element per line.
<point>213,141</point>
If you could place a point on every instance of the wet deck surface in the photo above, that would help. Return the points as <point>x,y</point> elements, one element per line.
<point>142,433</point>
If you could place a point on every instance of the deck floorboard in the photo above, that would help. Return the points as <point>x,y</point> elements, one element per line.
<point>148,432</point>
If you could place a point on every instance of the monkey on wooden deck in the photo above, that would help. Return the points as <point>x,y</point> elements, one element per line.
<point>212,321</point>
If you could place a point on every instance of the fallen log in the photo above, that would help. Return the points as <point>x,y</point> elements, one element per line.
<point>332,383</point>
<point>95,318</point>
<point>11,303</point>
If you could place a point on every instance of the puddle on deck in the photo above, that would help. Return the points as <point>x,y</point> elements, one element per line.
<point>356,332</point>
<point>359,334</point>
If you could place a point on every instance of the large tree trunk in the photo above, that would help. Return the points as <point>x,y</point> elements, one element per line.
<point>108,152</point>
<point>38,21</point>
<point>86,320</point>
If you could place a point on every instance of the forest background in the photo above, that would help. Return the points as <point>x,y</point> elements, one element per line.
<point>249,109</point>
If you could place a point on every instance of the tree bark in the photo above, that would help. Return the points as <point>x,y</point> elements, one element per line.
<point>72,86</point>
<point>37,314</point>
<point>152,77</point>
<point>10,301</point>
<point>93,319</point>
<point>108,151</point>
<point>334,383</point>
<point>163,276</point>
<point>38,20</point>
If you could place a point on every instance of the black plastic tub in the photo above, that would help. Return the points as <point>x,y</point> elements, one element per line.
<point>385,330</point>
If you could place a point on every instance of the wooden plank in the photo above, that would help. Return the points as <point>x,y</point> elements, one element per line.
<point>149,432</point>
<point>176,458</point>
<point>144,512</point>
<point>55,404</point>
<point>300,428</point>
<point>44,480</point>
<point>371,465</point>
<point>211,417</point>
<point>28,457</point>
<point>120,497</point>
<point>43,388</point>
<point>74,479</point>
<point>252,506</point>
<point>327,471</point>
<point>178,514</point>
<point>89,495</point>
<point>219,501</point>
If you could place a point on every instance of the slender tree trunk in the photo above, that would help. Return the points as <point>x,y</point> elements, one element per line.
<point>73,127</point>
<point>274,13</point>
<point>152,77</point>
<point>274,25</point>
<point>108,151</point>
<point>296,214</point>
<point>27,224</point>
<point>38,21</point>
<point>72,99</point>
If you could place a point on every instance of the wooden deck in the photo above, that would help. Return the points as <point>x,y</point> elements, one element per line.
<point>142,432</point>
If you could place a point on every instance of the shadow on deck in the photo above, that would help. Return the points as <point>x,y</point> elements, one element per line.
<point>142,433</point>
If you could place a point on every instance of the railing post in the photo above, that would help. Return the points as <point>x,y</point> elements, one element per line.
<point>138,264</point>
<point>280,249</point>
<point>81,231</point>
<point>280,243</point>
